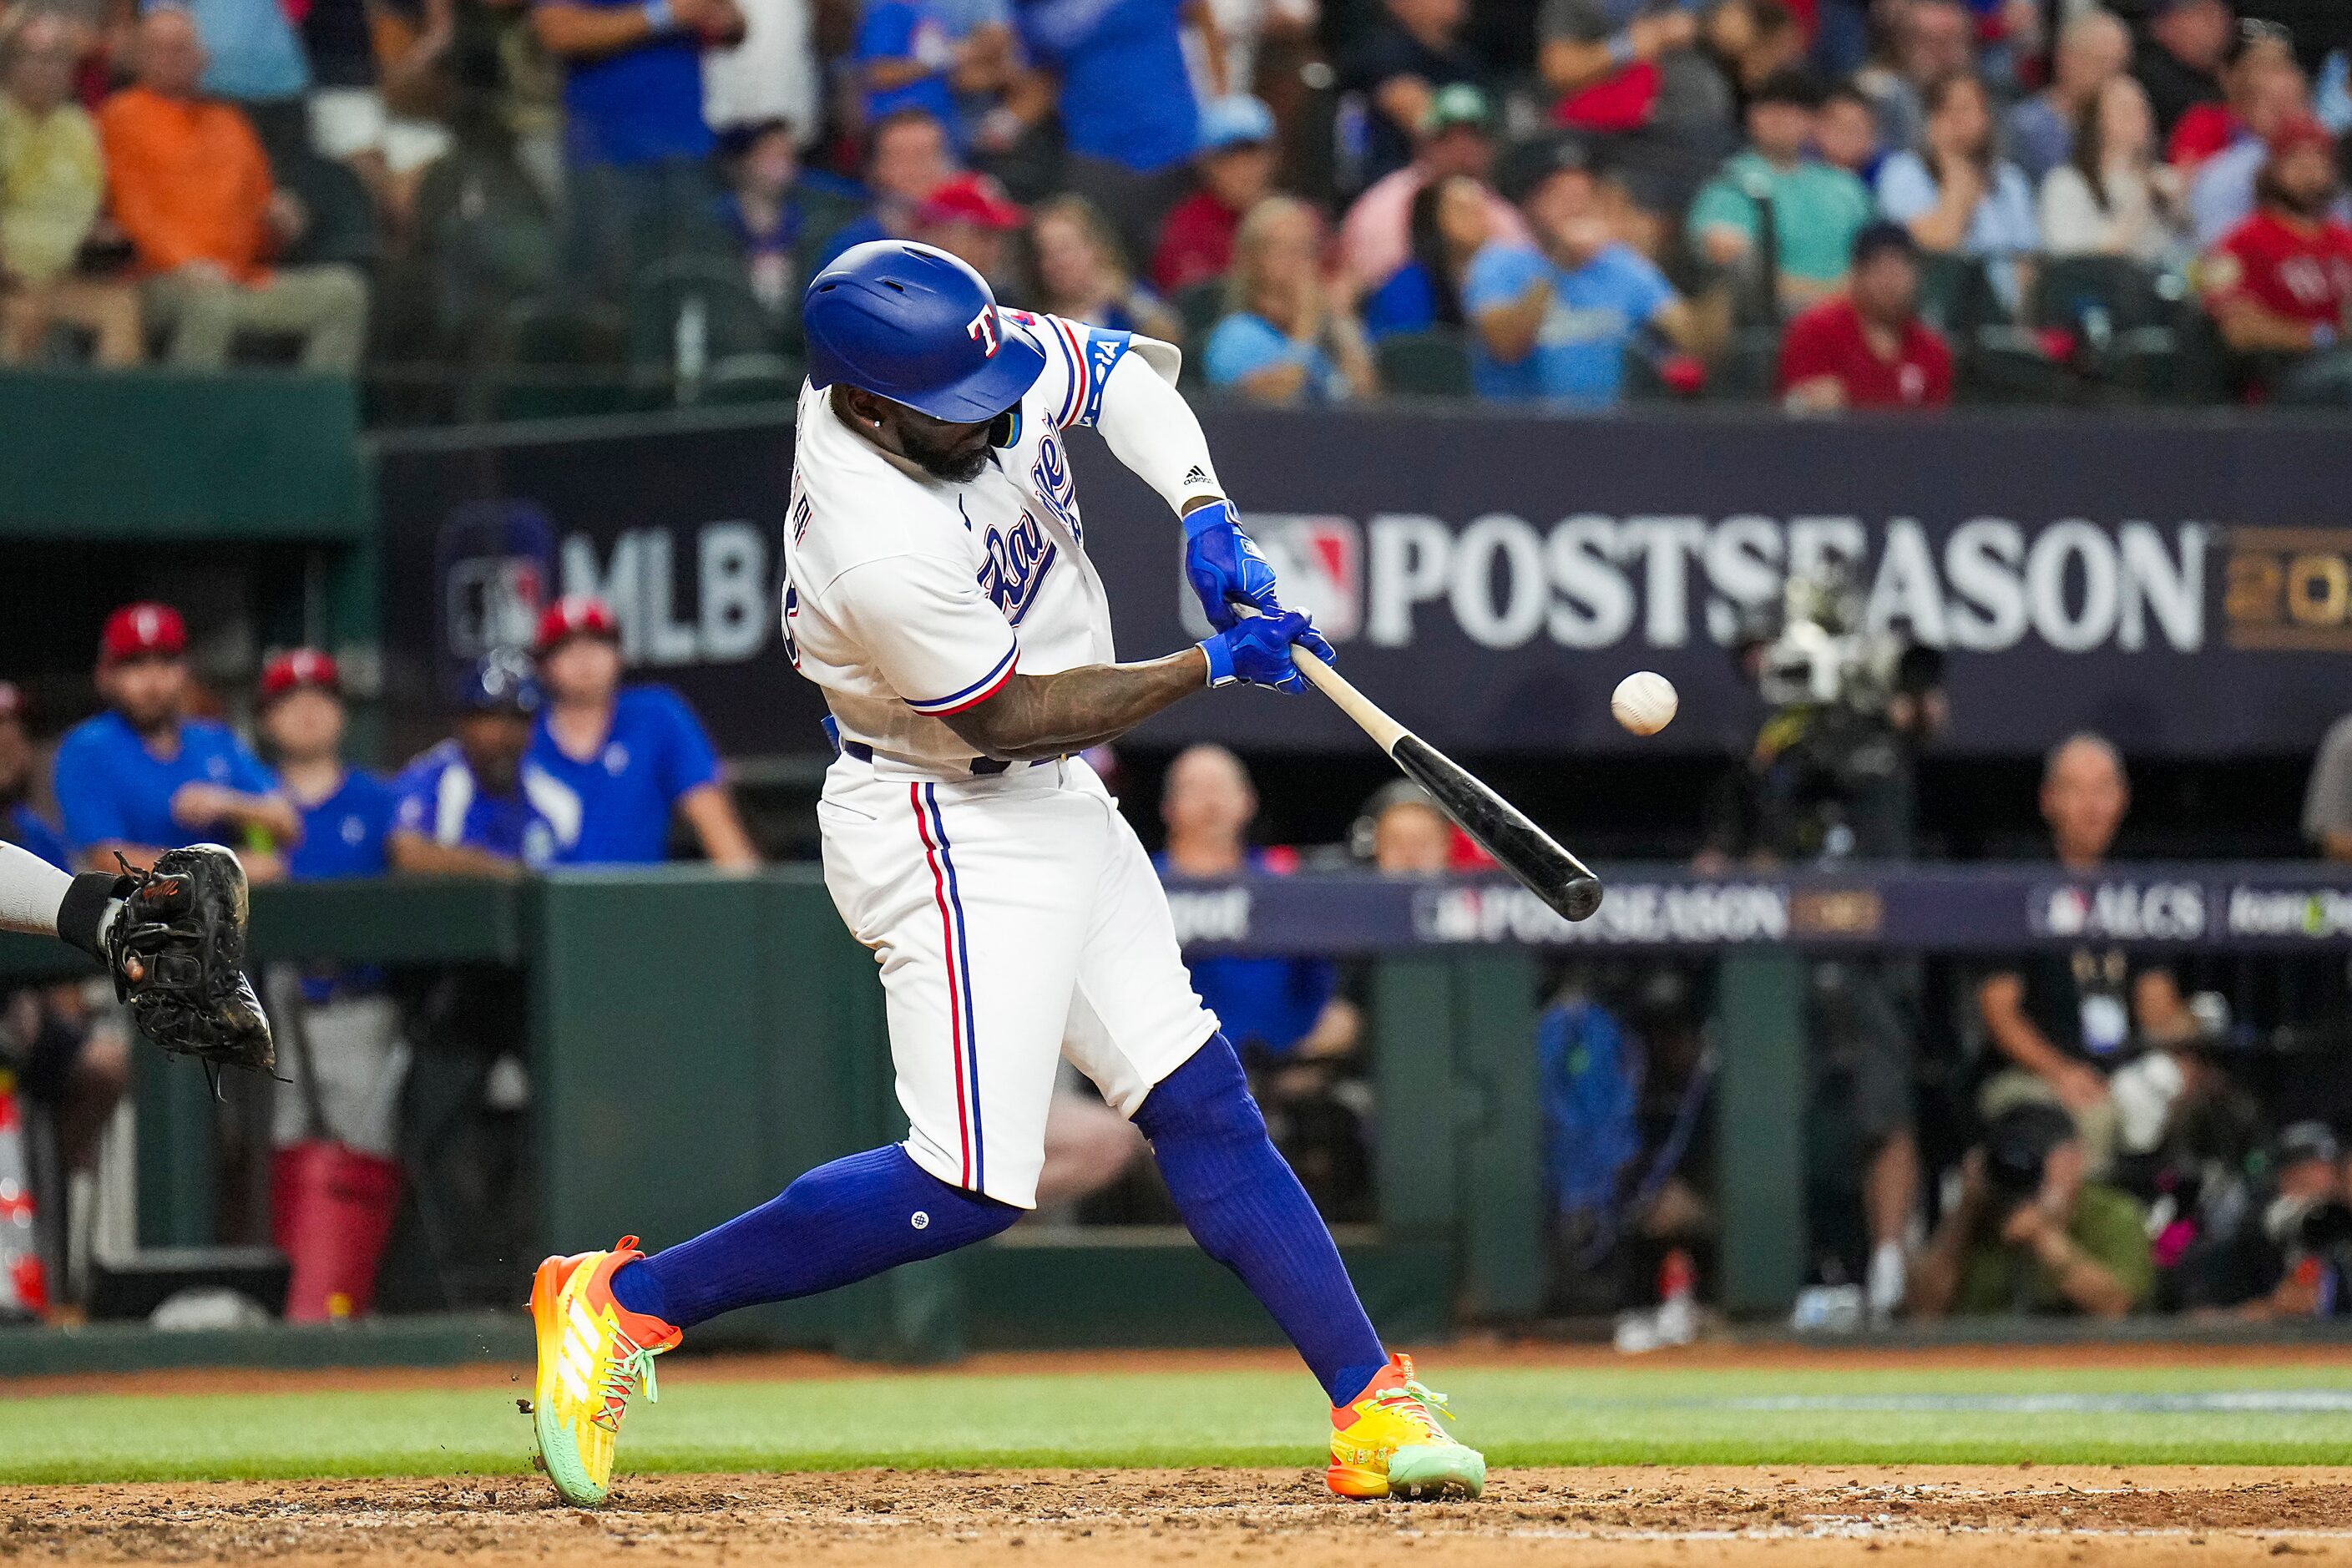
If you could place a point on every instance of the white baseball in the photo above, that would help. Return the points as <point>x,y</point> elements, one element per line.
<point>1644,703</point>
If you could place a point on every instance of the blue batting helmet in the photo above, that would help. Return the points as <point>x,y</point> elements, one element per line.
<point>919,327</point>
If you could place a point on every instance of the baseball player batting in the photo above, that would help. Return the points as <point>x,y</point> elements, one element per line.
<point>937,588</point>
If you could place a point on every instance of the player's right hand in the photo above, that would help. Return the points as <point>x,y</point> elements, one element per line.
<point>1229,574</point>
<point>1259,651</point>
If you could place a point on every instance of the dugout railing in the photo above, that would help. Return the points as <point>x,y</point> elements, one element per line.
<point>698,1040</point>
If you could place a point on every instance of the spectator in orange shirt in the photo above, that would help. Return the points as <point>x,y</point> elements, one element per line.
<point>191,187</point>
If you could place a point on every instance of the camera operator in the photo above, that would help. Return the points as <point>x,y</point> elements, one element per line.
<point>2029,1234</point>
<point>1830,779</point>
<point>2303,1243</point>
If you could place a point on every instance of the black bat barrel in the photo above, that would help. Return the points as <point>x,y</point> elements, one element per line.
<point>1525,850</point>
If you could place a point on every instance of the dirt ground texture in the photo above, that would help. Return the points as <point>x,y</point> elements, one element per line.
<point>2017,1517</point>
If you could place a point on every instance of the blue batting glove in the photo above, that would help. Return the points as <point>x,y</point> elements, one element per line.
<point>1225,569</point>
<point>1258,651</point>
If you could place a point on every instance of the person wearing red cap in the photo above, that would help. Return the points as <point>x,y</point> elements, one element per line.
<point>972,219</point>
<point>346,812</point>
<point>634,754</point>
<point>143,775</point>
<point>2280,284</point>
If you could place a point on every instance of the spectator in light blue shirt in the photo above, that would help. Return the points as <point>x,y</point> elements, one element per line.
<point>254,55</point>
<point>1552,322</point>
<point>1955,196</point>
<point>1285,339</point>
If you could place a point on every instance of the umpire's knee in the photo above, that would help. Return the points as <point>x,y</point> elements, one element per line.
<point>1208,1097</point>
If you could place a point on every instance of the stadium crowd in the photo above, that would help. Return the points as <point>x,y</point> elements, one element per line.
<point>1829,203</point>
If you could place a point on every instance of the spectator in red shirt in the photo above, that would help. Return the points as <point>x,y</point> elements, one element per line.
<point>2280,284</point>
<point>1868,348</point>
<point>1233,171</point>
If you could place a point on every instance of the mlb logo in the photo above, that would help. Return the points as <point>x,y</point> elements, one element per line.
<point>1318,563</point>
<point>2061,912</point>
<point>493,561</point>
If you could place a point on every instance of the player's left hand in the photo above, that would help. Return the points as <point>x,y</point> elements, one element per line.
<point>1225,569</point>
<point>1260,650</point>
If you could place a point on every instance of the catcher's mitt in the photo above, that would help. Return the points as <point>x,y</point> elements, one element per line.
<point>176,952</point>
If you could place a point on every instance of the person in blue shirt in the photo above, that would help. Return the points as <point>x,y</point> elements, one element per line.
<point>19,824</point>
<point>1129,115</point>
<point>641,187</point>
<point>633,74</point>
<point>1286,340</point>
<point>907,159</point>
<point>1273,1009</point>
<point>633,755</point>
<point>954,58</point>
<point>144,776</point>
<point>1552,322</point>
<point>1958,195</point>
<point>475,805</point>
<point>346,812</point>
<point>1449,223</point>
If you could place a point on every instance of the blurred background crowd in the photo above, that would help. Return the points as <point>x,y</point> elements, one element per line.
<point>492,208</point>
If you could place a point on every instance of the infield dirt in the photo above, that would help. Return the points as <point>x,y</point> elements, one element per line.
<point>1694,1518</point>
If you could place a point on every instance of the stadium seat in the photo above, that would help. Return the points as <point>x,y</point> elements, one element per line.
<point>1747,368</point>
<point>1434,364</point>
<point>1956,296</point>
<point>485,241</point>
<point>751,379</point>
<point>2129,344</point>
<point>1202,306</point>
<point>689,314</point>
<point>557,359</point>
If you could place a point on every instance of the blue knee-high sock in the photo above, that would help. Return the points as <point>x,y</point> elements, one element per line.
<point>839,1223</point>
<point>1244,1205</point>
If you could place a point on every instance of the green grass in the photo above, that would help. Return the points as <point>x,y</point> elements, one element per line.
<point>1520,1417</point>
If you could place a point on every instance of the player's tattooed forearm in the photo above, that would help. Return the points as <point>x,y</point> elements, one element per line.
<point>1039,716</point>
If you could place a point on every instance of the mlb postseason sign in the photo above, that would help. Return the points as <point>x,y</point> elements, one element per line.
<point>2183,583</point>
<point>1962,910</point>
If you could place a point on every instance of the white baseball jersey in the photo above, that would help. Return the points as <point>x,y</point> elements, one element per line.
<point>1013,913</point>
<point>908,597</point>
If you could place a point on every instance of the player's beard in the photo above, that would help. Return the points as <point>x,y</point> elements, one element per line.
<point>958,461</point>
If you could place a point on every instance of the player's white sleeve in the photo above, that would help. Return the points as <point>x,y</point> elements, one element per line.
<point>1153,430</point>
<point>927,628</point>
<point>30,891</point>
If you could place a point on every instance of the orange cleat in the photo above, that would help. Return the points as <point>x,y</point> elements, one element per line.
<point>1393,1442</point>
<point>593,1353</point>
